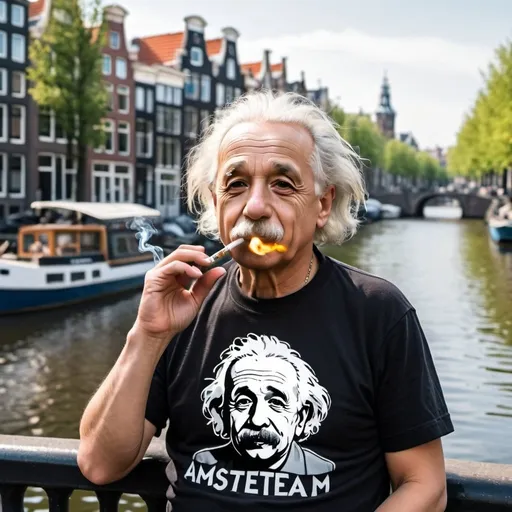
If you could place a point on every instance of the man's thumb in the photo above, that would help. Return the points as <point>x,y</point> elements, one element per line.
<point>204,284</point>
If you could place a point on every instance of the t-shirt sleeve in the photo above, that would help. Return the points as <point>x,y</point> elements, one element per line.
<point>156,407</point>
<point>411,409</point>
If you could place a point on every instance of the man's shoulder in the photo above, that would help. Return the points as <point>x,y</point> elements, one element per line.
<point>369,288</point>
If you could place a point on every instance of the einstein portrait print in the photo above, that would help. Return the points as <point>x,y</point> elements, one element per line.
<point>262,403</point>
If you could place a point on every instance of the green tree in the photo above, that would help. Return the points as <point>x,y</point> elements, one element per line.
<point>401,160</point>
<point>429,169</point>
<point>361,133</point>
<point>66,77</point>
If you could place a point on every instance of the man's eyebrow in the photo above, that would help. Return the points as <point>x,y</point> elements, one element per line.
<point>285,168</point>
<point>234,167</point>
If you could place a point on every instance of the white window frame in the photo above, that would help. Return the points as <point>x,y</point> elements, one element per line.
<point>23,42</point>
<point>23,82</point>
<point>140,94</point>
<point>110,91</point>
<point>124,128</point>
<point>118,61</point>
<point>3,181</point>
<point>4,118</point>
<point>3,34</point>
<point>3,72</point>
<point>230,69</point>
<point>112,130</point>
<point>178,96</point>
<point>51,137</point>
<point>3,11</point>
<point>111,40</point>
<point>206,89</point>
<point>106,58</point>
<point>126,92</point>
<point>21,194</point>
<point>23,125</point>
<point>220,95</point>
<point>196,56</point>
<point>19,9</point>
<point>150,101</point>
<point>160,93</point>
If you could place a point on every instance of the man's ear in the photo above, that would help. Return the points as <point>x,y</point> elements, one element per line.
<point>325,201</point>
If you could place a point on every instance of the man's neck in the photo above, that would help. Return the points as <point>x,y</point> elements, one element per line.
<point>274,283</point>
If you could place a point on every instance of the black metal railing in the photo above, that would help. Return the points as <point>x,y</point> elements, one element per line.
<point>50,464</point>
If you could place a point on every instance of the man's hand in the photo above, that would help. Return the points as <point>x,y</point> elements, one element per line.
<point>418,478</point>
<point>167,307</point>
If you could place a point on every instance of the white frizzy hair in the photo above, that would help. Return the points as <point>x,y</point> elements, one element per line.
<point>313,398</point>
<point>334,161</point>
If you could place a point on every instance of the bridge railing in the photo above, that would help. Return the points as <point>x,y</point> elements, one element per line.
<point>50,463</point>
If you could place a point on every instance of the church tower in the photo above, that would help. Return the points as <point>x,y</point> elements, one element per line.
<point>385,113</point>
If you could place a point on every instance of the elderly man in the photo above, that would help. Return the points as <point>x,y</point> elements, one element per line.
<point>290,381</point>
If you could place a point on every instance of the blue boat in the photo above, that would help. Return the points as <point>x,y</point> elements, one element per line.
<point>60,263</point>
<point>500,230</point>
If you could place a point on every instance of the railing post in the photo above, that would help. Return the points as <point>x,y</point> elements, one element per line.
<point>12,498</point>
<point>108,500</point>
<point>58,499</point>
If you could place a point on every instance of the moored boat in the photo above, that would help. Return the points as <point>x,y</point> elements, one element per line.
<point>500,230</point>
<point>57,264</point>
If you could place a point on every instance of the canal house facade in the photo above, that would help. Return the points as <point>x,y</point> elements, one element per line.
<point>159,140</point>
<point>112,165</point>
<point>14,102</point>
<point>227,73</point>
<point>264,75</point>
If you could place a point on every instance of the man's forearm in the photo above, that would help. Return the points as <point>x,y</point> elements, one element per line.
<point>415,497</point>
<point>112,426</point>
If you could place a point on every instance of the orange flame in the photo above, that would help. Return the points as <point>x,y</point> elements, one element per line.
<point>261,248</point>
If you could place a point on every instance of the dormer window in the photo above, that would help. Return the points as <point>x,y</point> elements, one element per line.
<point>114,40</point>
<point>230,69</point>
<point>196,56</point>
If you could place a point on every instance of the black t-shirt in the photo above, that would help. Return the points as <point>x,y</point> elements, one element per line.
<point>291,403</point>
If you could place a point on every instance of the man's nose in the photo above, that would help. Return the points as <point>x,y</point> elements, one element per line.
<point>259,415</point>
<point>258,204</point>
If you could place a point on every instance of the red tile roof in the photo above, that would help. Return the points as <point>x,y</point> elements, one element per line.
<point>35,8</point>
<point>253,67</point>
<point>160,49</point>
<point>213,46</point>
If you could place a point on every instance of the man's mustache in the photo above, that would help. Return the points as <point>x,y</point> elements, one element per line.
<point>249,439</point>
<point>265,229</point>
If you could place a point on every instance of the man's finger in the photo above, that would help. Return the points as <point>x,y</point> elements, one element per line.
<point>179,268</point>
<point>177,253</point>
<point>200,258</point>
<point>201,288</point>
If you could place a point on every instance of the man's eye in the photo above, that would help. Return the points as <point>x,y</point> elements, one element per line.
<point>276,402</point>
<point>242,403</point>
<point>236,184</point>
<point>283,184</point>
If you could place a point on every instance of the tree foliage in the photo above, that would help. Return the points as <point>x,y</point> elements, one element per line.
<point>66,76</point>
<point>484,140</point>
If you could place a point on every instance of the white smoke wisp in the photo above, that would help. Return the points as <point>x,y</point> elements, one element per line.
<point>145,230</point>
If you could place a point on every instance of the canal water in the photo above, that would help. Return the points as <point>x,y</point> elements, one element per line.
<point>455,276</point>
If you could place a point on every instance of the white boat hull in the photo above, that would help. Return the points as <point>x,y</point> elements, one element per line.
<point>26,286</point>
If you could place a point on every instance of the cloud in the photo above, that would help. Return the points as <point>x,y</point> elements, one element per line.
<point>433,80</point>
<point>431,53</point>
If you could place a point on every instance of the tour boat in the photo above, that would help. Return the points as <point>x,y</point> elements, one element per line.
<point>92,254</point>
<point>500,229</point>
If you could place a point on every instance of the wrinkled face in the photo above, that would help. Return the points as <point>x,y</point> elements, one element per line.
<point>264,408</point>
<point>265,175</point>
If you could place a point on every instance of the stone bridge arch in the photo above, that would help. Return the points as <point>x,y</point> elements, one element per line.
<point>420,202</point>
<point>473,206</point>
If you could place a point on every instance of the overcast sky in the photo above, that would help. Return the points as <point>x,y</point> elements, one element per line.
<point>433,50</point>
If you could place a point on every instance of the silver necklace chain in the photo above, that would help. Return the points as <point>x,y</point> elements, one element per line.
<point>309,269</point>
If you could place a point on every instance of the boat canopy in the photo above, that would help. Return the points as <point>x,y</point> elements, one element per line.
<point>100,211</point>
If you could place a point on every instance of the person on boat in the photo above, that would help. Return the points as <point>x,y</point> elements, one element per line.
<point>287,381</point>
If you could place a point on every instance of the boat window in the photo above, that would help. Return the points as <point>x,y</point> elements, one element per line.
<point>28,240</point>
<point>4,272</point>
<point>125,245</point>
<point>54,278</point>
<point>90,242</point>
<point>96,273</point>
<point>66,243</point>
<point>77,276</point>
